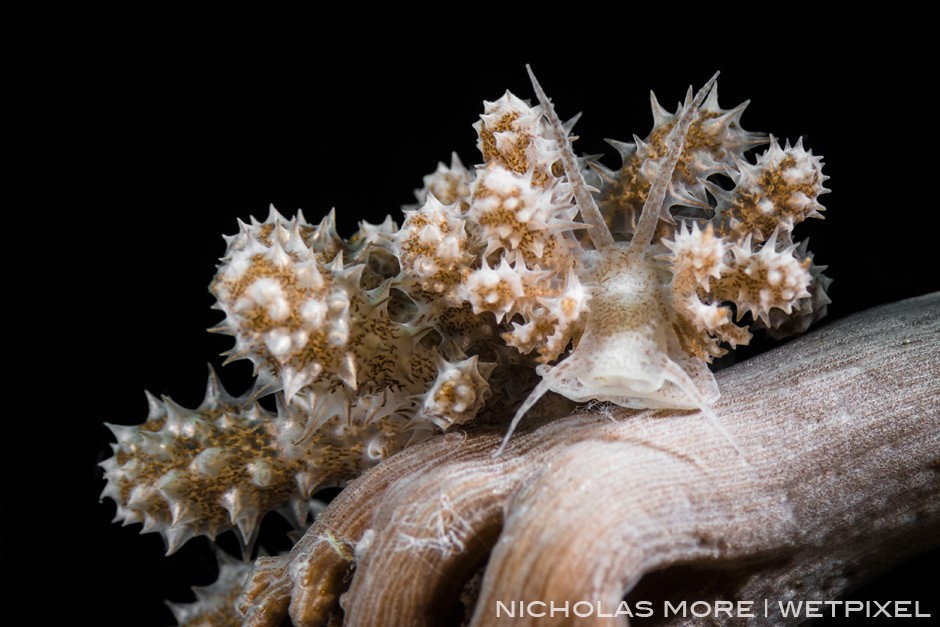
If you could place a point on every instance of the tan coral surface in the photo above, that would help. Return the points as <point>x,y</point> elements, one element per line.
<point>840,480</point>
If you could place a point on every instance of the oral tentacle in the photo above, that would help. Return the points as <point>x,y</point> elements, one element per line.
<point>544,386</point>
<point>684,382</point>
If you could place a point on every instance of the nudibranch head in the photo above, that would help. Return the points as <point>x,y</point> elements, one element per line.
<point>629,354</point>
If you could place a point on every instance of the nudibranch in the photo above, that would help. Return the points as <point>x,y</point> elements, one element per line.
<point>629,352</point>
<point>634,347</point>
<point>536,271</point>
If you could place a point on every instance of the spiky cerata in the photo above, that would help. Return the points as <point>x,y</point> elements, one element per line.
<point>536,265</point>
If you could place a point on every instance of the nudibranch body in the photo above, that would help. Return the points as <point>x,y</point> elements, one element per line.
<point>629,353</point>
<point>536,271</point>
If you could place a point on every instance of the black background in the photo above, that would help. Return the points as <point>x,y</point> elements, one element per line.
<point>142,152</point>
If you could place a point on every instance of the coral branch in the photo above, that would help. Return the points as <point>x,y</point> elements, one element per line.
<point>585,507</point>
